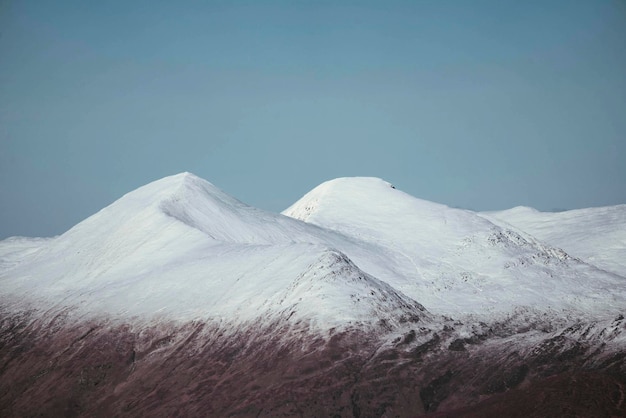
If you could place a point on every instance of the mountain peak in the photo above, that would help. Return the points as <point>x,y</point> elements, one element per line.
<point>165,187</point>
<point>357,181</point>
<point>151,207</point>
<point>354,186</point>
<point>365,192</point>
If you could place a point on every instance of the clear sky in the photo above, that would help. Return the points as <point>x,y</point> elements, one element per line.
<point>476,104</point>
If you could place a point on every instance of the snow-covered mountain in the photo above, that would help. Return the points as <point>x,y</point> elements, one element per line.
<point>454,261</point>
<point>352,302</point>
<point>182,249</point>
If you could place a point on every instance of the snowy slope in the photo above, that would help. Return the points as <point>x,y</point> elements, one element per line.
<point>15,249</point>
<point>182,249</point>
<point>595,235</point>
<point>454,261</point>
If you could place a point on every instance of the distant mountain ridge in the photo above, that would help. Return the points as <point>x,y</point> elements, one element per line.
<point>596,235</point>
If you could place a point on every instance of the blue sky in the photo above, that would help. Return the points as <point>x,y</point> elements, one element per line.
<point>475,104</point>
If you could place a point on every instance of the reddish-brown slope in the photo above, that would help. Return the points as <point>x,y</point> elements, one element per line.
<point>196,369</point>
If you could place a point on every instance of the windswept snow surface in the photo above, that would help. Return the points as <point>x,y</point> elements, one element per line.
<point>595,235</point>
<point>352,252</point>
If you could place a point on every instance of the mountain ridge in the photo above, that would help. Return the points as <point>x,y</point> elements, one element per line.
<point>596,235</point>
<point>455,262</point>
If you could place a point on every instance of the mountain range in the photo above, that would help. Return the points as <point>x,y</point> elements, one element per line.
<point>358,300</point>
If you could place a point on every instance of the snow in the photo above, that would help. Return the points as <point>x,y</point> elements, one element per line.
<point>454,261</point>
<point>182,248</point>
<point>15,249</point>
<point>595,235</point>
<point>353,251</point>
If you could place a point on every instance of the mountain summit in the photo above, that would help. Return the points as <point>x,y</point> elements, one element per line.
<point>358,300</point>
